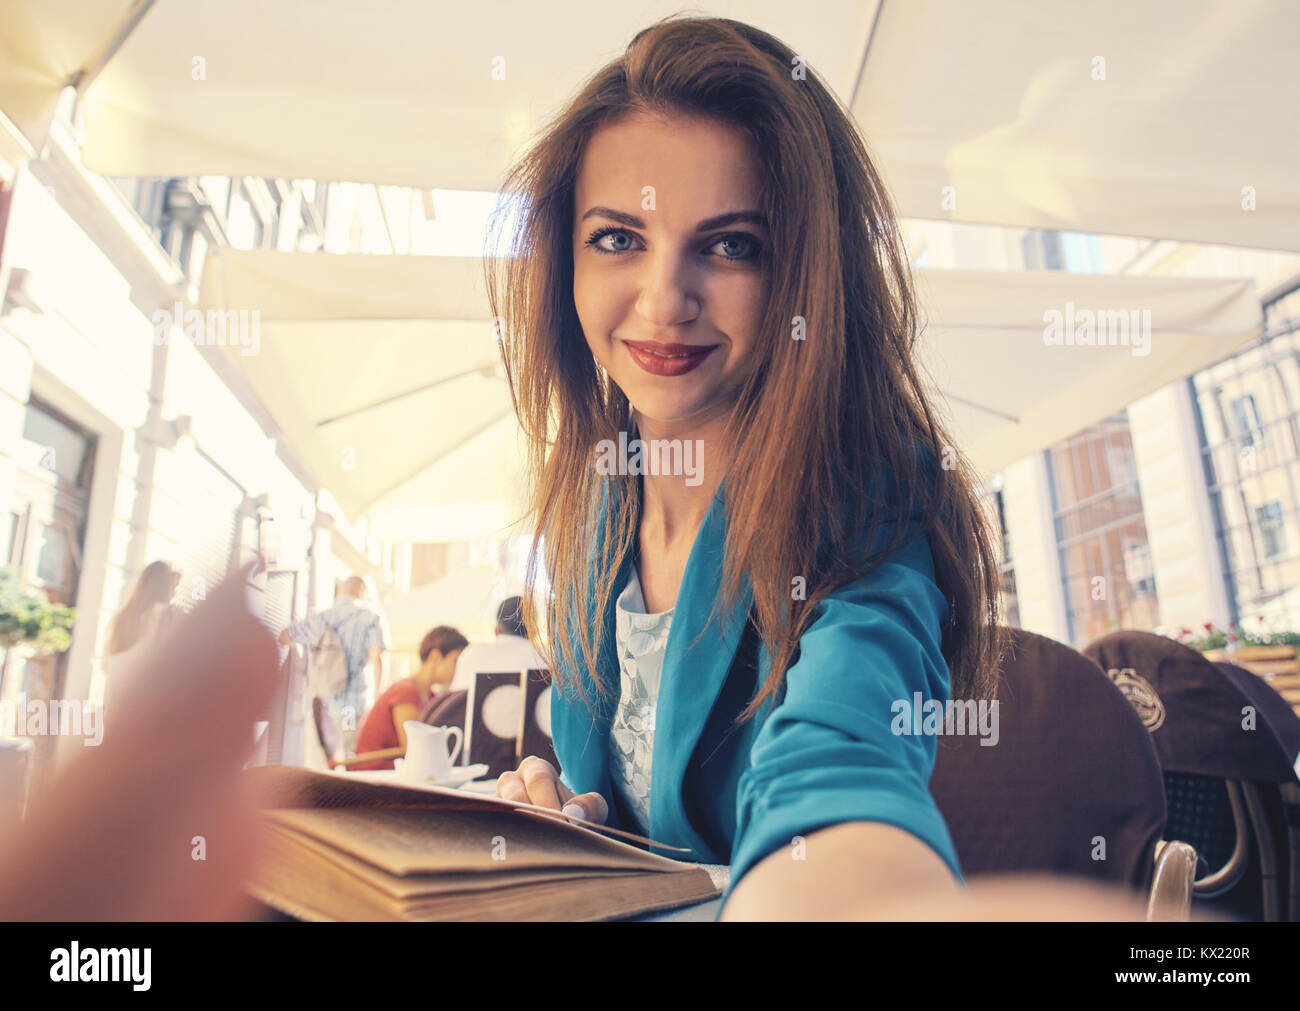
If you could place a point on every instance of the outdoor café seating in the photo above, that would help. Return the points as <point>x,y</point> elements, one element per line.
<point>1228,755</point>
<point>1072,787</point>
<point>331,743</point>
<point>446,710</point>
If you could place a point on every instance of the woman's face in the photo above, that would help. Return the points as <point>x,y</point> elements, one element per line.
<point>668,247</point>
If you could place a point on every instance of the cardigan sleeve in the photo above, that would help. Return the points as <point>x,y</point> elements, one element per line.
<point>827,754</point>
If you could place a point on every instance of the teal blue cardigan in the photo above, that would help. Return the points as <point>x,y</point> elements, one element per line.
<point>821,754</point>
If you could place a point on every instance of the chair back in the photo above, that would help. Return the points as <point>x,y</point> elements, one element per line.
<point>326,731</point>
<point>1275,711</point>
<point>1282,802</point>
<point>1072,785</point>
<point>1194,712</point>
<point>1222,745</point>
<point>446,710</point>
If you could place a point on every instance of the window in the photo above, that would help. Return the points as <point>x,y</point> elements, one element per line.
<point>1248,417</point>
<point>1042,250</point>
<point>1272,529</point>
<point>1246,420</point>
<point>1106,569</point>
<point>1009,603</point>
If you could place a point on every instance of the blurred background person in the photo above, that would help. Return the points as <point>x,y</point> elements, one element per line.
<point>144,615</point>
<point>510,651</point>
<point>139,625</point>
<point>404,699</point>
<point>363,630</point>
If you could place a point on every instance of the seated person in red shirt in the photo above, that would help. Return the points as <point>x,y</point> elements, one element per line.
<point>401,701</point>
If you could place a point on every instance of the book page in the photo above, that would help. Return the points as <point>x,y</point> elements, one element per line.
<point>429,841</point>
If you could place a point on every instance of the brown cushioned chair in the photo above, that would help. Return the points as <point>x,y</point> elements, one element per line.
<point>1223,748</point>
<point>446,710</point>
<point>1285,726</point>
<point>1073,771</point>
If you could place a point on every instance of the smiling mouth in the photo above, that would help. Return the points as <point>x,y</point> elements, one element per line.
<point>669,350</point>
<point>667,359</point>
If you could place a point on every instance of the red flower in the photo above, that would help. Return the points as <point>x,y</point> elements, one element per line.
<point>1209,626</point>
<point>1185,631</point>
<point>1232,624</point>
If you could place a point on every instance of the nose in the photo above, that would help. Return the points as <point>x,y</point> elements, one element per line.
<point>668,295</point>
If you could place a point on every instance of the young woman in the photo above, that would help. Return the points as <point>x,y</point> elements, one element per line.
<point>384,726</point>
<point>137,628</point>
<point>708,263</point>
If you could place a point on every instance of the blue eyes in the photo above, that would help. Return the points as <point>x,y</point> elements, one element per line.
<point>739,247</point>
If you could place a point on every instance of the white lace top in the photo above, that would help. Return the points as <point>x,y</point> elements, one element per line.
<point>641,641</point>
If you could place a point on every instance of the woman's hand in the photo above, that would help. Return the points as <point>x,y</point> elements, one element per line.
<point>156,823</point>
<point>537,782</point>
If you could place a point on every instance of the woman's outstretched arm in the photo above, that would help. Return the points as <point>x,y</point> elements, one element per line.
<point>874,871</point>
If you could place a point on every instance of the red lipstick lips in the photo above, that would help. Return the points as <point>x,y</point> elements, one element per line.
<point>667,359</point>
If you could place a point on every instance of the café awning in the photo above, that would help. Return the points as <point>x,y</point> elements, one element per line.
<point>1019,360</point>
<point>399,92</point>
<point>383,373</point>
<point>1168,119</point>
<point>382,370</point>
<point>1164,118</point>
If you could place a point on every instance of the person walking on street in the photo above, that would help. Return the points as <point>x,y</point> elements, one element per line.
<point>363,630</point>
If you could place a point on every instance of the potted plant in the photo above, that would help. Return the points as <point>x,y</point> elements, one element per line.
<point>28,620</point>
<point>1256,647</point>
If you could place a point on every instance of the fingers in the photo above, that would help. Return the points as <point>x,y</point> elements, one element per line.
<point>511,787</point>
<point>536,781</point>
<point>161,798</point>
<point>541,779</point>
<point>588,806</point>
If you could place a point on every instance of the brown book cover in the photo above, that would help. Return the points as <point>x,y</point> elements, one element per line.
<point>335,847</point>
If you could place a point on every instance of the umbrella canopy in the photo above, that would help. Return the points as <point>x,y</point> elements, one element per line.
<point>402,92</point>
<point>1169,119</point>
<point>1166,119</point>
<point>1023,359</point>
<point>383,371</point>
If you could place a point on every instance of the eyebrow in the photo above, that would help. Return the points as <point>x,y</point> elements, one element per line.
<point>708,224</point>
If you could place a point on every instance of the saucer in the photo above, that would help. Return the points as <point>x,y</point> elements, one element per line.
<point>460,774</point>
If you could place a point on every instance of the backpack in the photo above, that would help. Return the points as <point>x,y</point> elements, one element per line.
<point>327,665</point>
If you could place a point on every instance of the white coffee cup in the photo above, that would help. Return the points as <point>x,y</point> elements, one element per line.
<point>428,755</point>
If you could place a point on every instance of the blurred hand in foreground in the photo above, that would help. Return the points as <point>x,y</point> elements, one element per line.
<point>156,823</point>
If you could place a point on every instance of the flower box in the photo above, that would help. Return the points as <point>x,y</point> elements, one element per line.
<point>1277,663</point>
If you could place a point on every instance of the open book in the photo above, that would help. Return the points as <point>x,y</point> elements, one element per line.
<point>337,847</point>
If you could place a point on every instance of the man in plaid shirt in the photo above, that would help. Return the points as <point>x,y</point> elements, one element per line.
<point>363,630</point>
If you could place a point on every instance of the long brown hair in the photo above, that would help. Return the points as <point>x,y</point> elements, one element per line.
<point>153,587</point>
<point>798,496</point>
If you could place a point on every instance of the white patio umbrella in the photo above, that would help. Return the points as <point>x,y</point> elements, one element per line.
<point>403,92</point>
<point>1019,360</point>
<point>384,374</point>
<point>405,419</point>
<point>1170,119</point>
<point>1167,118</point>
